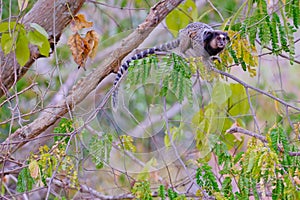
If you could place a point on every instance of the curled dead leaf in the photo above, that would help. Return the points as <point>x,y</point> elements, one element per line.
<point>92,39</point>
<point>79,22</point>
<point>76,44</point>
<point>82,48</point>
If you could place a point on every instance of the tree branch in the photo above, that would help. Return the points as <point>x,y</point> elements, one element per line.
<point>86,85</point>
<point>236,129</point>
<point>254,88</point>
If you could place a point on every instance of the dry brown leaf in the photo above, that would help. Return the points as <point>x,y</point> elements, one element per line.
<point>93,40</point>
<point>77,47</point>
<point>79,22</point>
<point>82,48</point>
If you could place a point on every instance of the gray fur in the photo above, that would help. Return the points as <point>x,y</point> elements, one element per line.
<point>195,37</point>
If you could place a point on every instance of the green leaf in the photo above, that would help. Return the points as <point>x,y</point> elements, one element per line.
<point>144,175</point>
<point>35,38</point>
<point>162,192</point>
<point>65,126</point>
<point>175,132</point>
<point>40,40</point>
<point>221,92</point>
<point>5,26</point>
<point>123,3</point>
<point>127,143</point>
<point>22,49</point>
<point>40,29</point>
<point>238,101</point>
<point>100,149</point>
<point>252,160</point>
<point>141,190</point>
<point>176,21</point>
<point>190,8</point>
<point>6,43</point>
<point>203,15</point>
<point>25,181</point>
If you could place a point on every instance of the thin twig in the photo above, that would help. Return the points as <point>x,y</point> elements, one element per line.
<point>254,88</point>
<point>252,110</point>
<point>18,93</point>
<point>212,5</point>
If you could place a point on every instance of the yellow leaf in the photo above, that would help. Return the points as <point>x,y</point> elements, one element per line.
<point>239,50</point>
<point>278,107</point>
<point>34,169</point>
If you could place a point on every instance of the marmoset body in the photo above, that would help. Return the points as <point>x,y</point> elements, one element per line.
<point>200,38</point>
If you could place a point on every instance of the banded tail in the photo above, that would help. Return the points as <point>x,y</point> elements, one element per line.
<point>124,67</point>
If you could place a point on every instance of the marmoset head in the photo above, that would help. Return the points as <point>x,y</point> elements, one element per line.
<point>215,41</point>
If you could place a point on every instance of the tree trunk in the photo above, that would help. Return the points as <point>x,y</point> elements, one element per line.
<point>53,16</point>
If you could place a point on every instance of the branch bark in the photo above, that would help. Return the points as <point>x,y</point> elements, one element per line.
<point>53,16</point>
<point>262,138</point>
<point>90,82</point>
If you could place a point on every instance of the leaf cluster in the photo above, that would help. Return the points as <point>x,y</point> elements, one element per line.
<point>42,166</point>
<point>262,168</point>
<point>82,47</point>
<point>173,73</point>
<point>15,38</point>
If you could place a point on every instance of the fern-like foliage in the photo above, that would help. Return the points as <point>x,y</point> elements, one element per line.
<point>100,149</point>
<point>206,179</point>
<point>175,75</point>
<point>140,69</point>
<point>162,192</point>
<point>171,194</point>
<point>227,188</point>
<point>65,126</point>
<point>271,29</point>
<point>224,158</point>
<point>173,72</point>
<point>127,143</point>
<point>141,190</point>
<point>240,51</point>
<point>25,181</point>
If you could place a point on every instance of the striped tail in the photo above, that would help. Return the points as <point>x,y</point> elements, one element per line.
<point>124,67</point>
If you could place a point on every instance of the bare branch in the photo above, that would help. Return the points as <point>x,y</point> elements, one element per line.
<point>294,153</point>
<point>254,88</point>
<point>262,138</point>
<point>18,93</point>
<point>237,129</point>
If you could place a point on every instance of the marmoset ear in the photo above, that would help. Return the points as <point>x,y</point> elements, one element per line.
<point>227,37</point>
<point>207,35</point>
